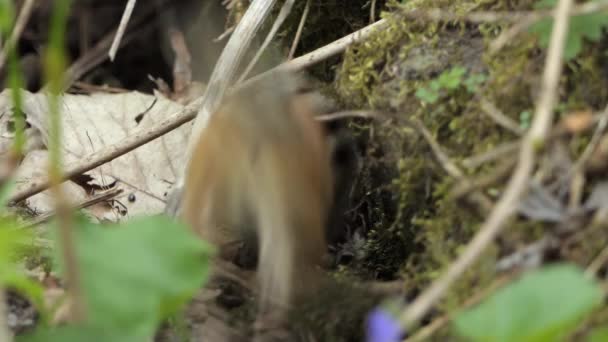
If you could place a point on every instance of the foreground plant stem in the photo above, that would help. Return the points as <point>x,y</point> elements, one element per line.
<point>54,69</point>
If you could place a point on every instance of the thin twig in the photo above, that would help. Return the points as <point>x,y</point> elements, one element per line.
<point>509,35</point>
<point>507,149</point>
<point>227,65</point>
<point>224,34</point>
<point>480,17</point>
<point>97,54</point>
<point>372,14</point>
<point>597,263</point>
<point>507,204</point>
<point>283,13</point>
<point>124,21</point>
<point>324,52</point>
<point>349,114</point>
<point>499,117</point>
<point>491,155</point>
<point>296,39</point>
<point>477,197</point>
<point>101,197</point>
<point>502,171</point>
<point>527,257</point>
<point>24,16</point>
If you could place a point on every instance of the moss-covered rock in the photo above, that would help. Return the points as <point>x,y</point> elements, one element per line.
<point>415,228</point>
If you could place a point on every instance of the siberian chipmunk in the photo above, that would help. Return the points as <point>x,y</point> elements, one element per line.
<point>263,165</point>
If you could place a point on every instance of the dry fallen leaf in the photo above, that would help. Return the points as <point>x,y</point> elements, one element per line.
<point>92,122</point>
<point>577,122</point>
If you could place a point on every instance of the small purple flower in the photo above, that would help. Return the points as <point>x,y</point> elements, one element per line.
<point>383,327</point>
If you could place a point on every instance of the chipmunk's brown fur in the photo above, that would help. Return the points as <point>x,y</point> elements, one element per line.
<point>263,164</point>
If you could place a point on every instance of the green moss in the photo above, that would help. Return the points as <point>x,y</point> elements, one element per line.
<point>413,228</point>
<point>417,229</point>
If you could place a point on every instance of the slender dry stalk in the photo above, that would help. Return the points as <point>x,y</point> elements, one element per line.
<point>372,12</point>
<point>122,27</point>
<point>296,39</point>
<point>499,117</point>
<point>24,16</point>
<point>227,64</point>
<point>478,198</point>
<point>324,52</point>
<point>285,10</point>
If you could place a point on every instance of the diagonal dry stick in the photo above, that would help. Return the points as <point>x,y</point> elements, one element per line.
<point>324,52</point>
<point>296,39</point>
<point>122,27</point>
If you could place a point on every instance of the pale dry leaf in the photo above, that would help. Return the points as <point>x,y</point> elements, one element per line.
<point>34,139</point>
<point>92,122</point>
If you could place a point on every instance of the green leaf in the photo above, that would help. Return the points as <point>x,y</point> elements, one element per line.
<point>542,306</point>
<point>472,82</point>
<point>138,273</point>
<point>452,78</point>
<point>435,85</point>
<point>525,119</point>
<point>426,95</point>
<point>79,334</point>
<point>12,241</point>
<point>5,192</point>
<point>12,244</point>
<point>7,15</point>
<point>545,4</point>
<point>587,26</point>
